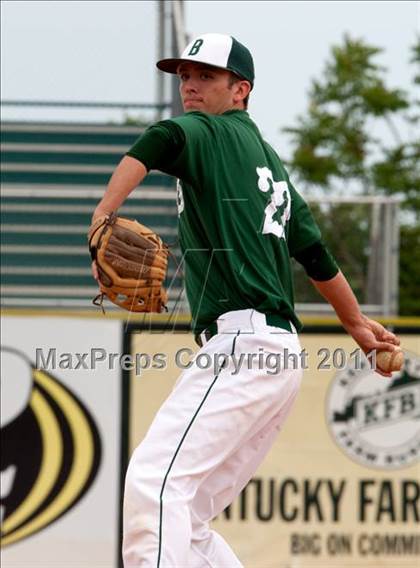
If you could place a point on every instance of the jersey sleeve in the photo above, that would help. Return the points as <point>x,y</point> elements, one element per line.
<point>159,146</point>
<point>303,230</point>
<point>305,242</point>
<point>318,262</point>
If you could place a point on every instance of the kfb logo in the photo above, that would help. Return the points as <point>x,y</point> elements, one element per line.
<point>376,420</point>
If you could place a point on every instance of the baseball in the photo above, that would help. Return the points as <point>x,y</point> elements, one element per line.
<point>390,361</point>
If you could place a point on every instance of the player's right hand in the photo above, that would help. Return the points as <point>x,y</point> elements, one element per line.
<point>371,336</point>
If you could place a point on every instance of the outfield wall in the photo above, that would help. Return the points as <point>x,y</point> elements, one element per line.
<point>339,488</point>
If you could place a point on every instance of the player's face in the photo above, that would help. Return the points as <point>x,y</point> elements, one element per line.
<point>207,89</point>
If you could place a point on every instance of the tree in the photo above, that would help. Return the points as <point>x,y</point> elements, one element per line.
<point>349,141</point>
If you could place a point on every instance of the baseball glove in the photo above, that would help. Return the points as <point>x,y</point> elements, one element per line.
<point>131,261</point>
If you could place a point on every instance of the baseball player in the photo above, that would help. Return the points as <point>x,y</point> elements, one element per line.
<point>240,222</point>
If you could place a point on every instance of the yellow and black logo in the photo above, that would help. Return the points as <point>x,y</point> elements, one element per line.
<point>51,449</point>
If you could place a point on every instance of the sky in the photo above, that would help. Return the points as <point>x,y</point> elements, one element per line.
<point>106,51</point>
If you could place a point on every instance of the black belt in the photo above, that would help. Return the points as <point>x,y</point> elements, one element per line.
<point>274,320</point>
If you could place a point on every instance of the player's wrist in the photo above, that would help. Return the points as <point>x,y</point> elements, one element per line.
<point>100,212</point>
<point>352,321</point>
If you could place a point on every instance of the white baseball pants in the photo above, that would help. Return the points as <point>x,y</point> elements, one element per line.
<point>204,445</point>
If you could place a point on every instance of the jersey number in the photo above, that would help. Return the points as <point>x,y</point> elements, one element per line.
<point>179,197</point>
<point>280,202</point>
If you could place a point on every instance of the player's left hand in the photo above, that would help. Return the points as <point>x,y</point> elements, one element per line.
<point>95,272</point>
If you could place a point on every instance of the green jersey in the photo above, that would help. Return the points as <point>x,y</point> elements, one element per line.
<point>240,219</point>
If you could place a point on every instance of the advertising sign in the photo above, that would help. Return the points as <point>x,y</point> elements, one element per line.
<point>61,442</point>
<point>340,486</point>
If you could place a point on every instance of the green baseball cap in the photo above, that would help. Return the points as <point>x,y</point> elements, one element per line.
<point>217,50</point>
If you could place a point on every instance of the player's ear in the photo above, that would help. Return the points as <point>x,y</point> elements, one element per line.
<point>241,90</point>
